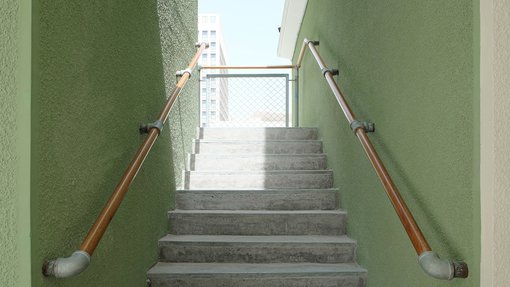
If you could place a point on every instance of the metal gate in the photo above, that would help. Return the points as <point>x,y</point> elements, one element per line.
<point>244,100</point>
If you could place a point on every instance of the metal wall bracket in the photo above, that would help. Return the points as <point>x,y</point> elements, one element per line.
<point>333,72</point>
<point>315,43</point>
<point>145,128</point>
<point>198,44</point>
<point>367,126</point>
<point>182,72</point>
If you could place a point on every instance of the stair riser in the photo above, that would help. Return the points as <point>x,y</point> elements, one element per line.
<point>254,180</point>
<point>258,134</point>
<point>256,253</point>
<point>257,224</point>
<point>227,281</point>
<point>256,200</point>
<point>258,147</point>
<point>198,162</point>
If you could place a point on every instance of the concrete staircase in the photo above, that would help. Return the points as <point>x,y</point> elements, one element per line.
<point>257,209</point>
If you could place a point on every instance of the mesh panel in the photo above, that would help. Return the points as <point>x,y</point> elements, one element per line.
<point>245,100</point>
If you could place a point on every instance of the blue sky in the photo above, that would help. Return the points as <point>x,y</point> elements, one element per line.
<point>250,29</point>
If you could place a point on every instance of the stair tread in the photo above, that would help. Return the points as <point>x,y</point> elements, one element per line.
<point>258,128</point>
<point>259,171</point>
<point>198,211</point>
<point>253,141</point>
<point>313,239</point>
<point>243,155</point>
<point>243,269</point>
<point>261,190</point>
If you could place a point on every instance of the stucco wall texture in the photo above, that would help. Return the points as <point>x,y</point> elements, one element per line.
<point>409,66</point>
<point>178,35</point>
<point>8,63</point>
<point>100,68</point>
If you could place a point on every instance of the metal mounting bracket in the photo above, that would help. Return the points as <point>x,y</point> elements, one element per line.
<point>333,72</point>
<point>198,44</point>
<point>182,72</point>
<point>145,128</point>
<point>367,126</point>
<point>315,43</point>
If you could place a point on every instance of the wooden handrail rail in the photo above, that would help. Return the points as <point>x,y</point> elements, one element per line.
<point>99,227</point>
<point>420,244</point>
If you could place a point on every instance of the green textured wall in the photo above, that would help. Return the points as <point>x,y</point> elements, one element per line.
<point>99,69</point>
<point>412,68</point>
<point>14,143</point>
<point>8,225</point>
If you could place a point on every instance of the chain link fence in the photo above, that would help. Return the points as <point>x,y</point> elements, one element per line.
<point>244,100</point>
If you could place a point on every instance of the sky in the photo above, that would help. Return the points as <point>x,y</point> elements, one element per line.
<point>250,29</point>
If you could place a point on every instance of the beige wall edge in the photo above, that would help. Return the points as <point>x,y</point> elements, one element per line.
<point>494,150</point>
<point>293,13</point>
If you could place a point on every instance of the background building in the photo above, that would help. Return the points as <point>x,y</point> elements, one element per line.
<point>213,93</point>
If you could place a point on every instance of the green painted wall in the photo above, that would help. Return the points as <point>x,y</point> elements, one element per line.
<point>8,225</point>
<point>100,68</point>
<point>15,143</point>
<point>412,68</point>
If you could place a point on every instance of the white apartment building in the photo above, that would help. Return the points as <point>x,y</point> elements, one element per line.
<point>213,93</point>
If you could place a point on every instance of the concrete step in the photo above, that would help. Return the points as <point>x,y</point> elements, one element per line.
<point>254,146</point>
<point>258,133</point>
<point>303,179</point>
<point>257,222</point>
<point>261,199</point>
<point>257,162</point>
<point>257,249</point>
<point>256,275</point>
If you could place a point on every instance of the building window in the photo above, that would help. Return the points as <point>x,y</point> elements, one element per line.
<point>213,58</point>
<point>204,91</point>
<point>213,36</point>
<point>203,19</point>
<point>204,59</point>
<point>213,83</point>
<point>204,36</point>
<point>213,92</point>
<point>204,102</point>
<point>213,19</point>
<point>213,104</point>
<point>204,114</point>
<point>213,47</point>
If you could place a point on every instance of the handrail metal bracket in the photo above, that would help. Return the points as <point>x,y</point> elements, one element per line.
<point>181,73</point>
<point>367,126</point>
<point>145,128</point>
<point>334,72</point>
<point>315,43</point>
<point>198,44</point>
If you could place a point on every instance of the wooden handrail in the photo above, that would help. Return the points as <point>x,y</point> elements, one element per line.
<point>99,227</point>
<point>416,236</point>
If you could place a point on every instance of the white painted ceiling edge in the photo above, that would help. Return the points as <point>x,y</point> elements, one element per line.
<point>293,13</point>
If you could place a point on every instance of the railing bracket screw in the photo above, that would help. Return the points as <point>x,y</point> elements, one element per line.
<point>367,126</point>
<point>145,128</point>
